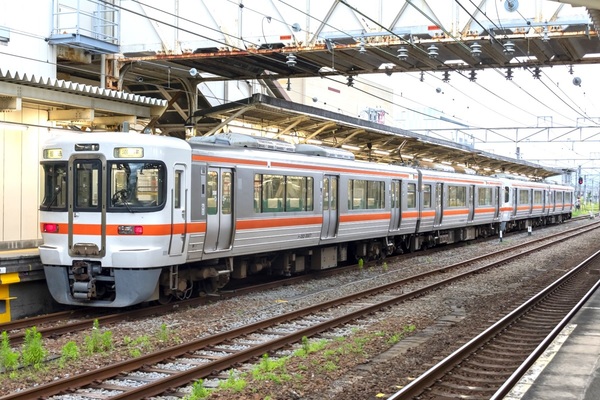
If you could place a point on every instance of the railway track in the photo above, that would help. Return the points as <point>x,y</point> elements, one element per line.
<point>155,373</point>
<point>491,363</point>
<point>68,321</point>
<point>55,324</point>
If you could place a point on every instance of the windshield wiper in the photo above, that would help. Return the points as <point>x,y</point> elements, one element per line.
<point>121,197</point>
<point>127,205</point>
<point>57,191</point>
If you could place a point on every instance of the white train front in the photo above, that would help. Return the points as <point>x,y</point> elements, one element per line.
<point>128,218</point>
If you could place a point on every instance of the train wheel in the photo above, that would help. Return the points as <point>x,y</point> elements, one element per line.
<point>210,285</point>
<point>164,298</point>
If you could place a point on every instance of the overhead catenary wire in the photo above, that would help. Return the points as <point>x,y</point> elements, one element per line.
<point>260,13</point>
<point>545,85</point>
<point>447,33</point>
<point>239,38</point>
<point>349,35</point>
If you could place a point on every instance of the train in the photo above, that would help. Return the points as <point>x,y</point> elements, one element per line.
<point>129,218</point>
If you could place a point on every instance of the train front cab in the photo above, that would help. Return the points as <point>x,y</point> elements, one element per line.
<point>530,204</point>
<point>112,217</point>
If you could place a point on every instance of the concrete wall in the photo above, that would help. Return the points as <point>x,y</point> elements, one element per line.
<point>31,299</point>
<point>20,180</point>
<point>28,54</point>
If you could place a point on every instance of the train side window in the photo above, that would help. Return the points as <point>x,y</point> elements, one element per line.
<point>375,195</point>
<point>568,198</point>
<point>177,199</point>
<point>283,193</point>
<point>411,195</point>
<point>298,193</point>
<point>363,195</point>
<point>357,194</point>
<point>212,187</point>
<point>226,193</point>
<point>349,194</point>
<point>333,194</point>
<point>506,194</point>
<point>484,196</point>
<point>523,196</point>
<point>273,191</point>
<point>559,198</point>
<point>537,197</point>
<point>426,196</point>
<point>257,193</point>
<point>310,190</point>
<point>457,196</point>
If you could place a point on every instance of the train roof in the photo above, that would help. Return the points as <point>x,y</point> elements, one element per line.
<point>516,181</point>
<point>116,139</point>
<point>457,177</point>
<point>262,143</point>
<point>232,147</point>
<point>239,147</point>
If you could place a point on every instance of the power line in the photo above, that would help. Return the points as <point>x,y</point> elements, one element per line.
<point>536,99</point>
<point>339,30</point>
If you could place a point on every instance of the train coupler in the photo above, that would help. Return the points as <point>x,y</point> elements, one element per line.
<point>84,290</point>
<point>84,283</point>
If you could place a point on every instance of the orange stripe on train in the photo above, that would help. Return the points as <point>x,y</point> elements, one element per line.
<point>278,222</point>
<point>364,217</point>
<point>113,230</point>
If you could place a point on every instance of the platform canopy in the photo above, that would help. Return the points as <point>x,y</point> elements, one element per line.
<point>281,119</point>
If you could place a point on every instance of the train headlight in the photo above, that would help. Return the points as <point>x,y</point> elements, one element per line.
<point>130,230</point>
<point>52,154</point>
<point>50,228</point>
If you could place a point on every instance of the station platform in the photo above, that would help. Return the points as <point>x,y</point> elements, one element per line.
<point>23,290</point>
<point>570,367</point>
<point>21,264</point>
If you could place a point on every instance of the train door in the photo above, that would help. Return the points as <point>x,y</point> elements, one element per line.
<point>330,207</point>
<point>439,206</point>
<point>396,211</point>
<point>531,200</point>
<point>515,203</point>
<point>178,212</point>
<point>471,203</point>
<point>87,207</point>
<point>219,209</point>
<point>498,201</point>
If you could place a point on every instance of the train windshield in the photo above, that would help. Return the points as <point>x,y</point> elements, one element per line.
<point>55,186</point>
<point>136,185</point>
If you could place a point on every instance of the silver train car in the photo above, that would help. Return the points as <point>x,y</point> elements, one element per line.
<point>128,218</point>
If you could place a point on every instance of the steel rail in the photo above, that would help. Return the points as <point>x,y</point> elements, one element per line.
<point>128,365</point>
<point>429,377</point>
<point>535,355</point>
<point>18,337</point>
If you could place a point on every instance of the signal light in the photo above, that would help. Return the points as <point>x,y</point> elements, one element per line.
<point>50,228</point>
<point>580,180</point>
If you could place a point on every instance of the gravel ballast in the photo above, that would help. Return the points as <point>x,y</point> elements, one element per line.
<point>371,358</point>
